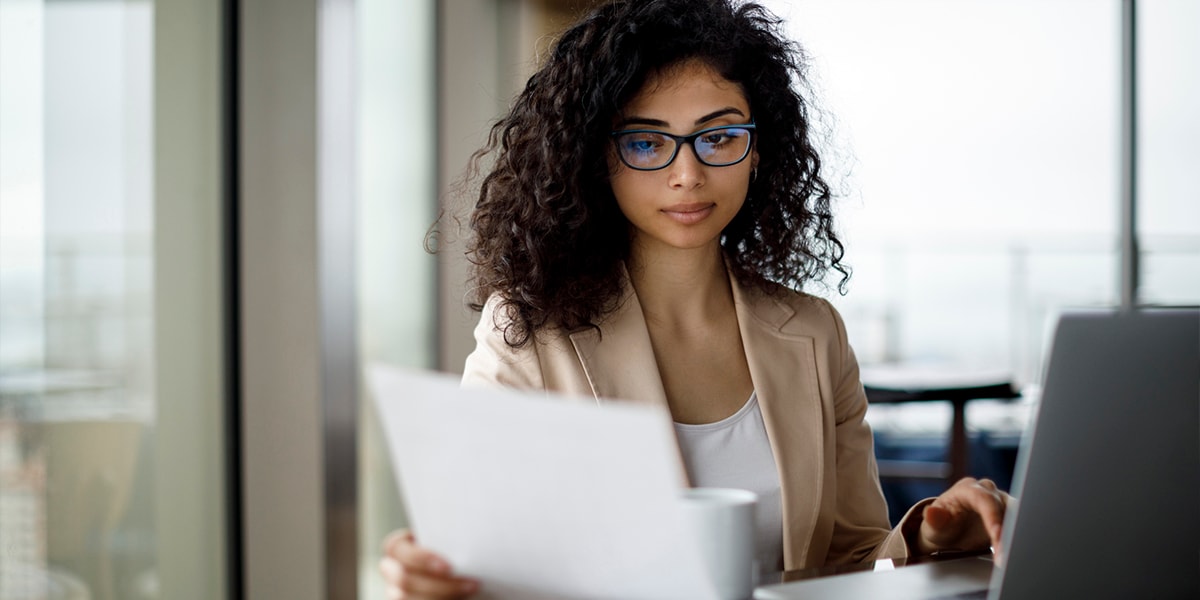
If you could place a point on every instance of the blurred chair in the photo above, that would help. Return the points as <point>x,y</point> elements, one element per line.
<point>35,582</point>
<point>894,384</point>
<point>89,477</point>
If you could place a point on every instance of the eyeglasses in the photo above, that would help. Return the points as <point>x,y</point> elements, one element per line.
<point>650,150</point>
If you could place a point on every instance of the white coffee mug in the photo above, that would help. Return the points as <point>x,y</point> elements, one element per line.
<point>721,524</point>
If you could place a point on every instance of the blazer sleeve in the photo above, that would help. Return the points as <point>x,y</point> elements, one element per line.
<point>494,363</point>
<point>861,531</point>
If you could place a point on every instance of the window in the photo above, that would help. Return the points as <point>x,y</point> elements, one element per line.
<point>1168,151</point>
<point>977,146</point>
<point>112,403</point>
<point>397,180</point>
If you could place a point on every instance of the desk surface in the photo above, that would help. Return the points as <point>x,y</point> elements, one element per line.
<point>941,576</point>
<point>878,565</point>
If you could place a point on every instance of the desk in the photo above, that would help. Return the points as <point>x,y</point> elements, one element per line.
<point>958,575</point>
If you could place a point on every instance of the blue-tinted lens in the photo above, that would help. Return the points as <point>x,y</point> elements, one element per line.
<point>645,149</point>
<point>720,147</point>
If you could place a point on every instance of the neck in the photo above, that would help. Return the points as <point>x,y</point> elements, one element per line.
<point>681,288</point>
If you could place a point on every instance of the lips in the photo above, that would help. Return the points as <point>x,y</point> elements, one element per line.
<point>689,214</point>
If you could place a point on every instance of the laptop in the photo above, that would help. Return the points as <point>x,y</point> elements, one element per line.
<point>1108,479</point>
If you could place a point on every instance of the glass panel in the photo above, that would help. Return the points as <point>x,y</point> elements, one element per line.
<point>975,147</point>
<point>397,184</point>
<point>979,175</point>
<point>1169,150</point>
<point>80,373</point>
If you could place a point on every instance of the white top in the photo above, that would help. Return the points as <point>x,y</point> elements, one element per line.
<point>734,453</point>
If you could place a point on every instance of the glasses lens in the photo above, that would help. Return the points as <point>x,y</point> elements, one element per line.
<point>721,147</point>
<point>645,149</point>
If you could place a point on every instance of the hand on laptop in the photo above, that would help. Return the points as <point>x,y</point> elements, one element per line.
<point>414,573</point>
<point>968,516</point>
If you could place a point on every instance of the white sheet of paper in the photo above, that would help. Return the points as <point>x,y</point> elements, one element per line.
<point>540,498</point>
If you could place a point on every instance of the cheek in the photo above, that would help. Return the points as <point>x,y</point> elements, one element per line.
<point>739,185</point>
<point>625,185</point>
<point>624,192</point>
<point>616,168</point>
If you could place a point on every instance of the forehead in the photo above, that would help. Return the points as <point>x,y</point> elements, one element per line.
<point>684,92</point>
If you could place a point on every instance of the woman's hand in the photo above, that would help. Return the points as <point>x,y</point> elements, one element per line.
<point>414,573</point>
<point>968,516</point>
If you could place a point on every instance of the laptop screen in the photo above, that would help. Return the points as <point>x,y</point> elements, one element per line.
<point>1109,481</point>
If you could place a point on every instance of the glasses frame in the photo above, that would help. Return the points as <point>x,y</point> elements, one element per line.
<point>680,140</point>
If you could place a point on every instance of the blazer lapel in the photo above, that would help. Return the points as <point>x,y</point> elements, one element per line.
<point>783,369</point>
<point>618,359</point>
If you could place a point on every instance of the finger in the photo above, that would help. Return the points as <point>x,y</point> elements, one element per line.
<point>391,570</point>
<point>394,539</point>
<point>966,494</point>
<point>413,572</point>
<point>419,586</point>
<point>988,503</point>
<point>941,529</point>
<point>411,585</point>
<point>417,559</point>
<point>392,592</point>
<point>965,516</point>
<point>937,517</point>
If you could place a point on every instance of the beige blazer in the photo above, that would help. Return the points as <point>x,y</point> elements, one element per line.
<point>807,382</point>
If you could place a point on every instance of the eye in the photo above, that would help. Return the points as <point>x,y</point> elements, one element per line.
<point>720,137</point>
<point>642,142</point>
<point>642,145</point>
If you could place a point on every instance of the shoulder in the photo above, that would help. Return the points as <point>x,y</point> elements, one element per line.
<point>495,362</point>
<point>797,312</point>
<point>497,319</point>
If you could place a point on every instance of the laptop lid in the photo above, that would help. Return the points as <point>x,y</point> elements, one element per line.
<point>1108,478</point>
<point>1108,481</point>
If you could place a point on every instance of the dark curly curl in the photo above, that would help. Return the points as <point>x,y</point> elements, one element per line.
<point>549,237</point>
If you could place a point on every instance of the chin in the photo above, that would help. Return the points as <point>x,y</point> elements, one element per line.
<point>692,242</point>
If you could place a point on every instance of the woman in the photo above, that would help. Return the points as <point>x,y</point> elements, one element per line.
<point>654,209</point>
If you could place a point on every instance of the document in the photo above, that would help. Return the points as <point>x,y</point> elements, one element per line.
<point>538,496</point>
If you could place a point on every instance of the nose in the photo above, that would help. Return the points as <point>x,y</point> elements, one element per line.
<point>686,171</point>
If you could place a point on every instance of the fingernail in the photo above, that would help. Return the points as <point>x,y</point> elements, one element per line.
<point>468,586</point>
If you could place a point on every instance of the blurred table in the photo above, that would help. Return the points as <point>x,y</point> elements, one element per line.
<point>907,383</point>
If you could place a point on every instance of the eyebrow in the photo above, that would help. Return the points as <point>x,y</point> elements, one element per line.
<point>635,120</point>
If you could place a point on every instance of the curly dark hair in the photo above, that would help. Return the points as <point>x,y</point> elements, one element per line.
<point>549,237</point>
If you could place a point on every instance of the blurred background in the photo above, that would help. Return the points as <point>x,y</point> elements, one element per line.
<point>214,214</point>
